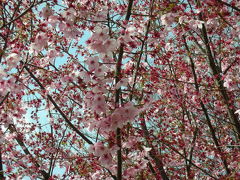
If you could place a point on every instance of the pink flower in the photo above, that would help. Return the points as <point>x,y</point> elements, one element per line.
<point>100,34</point>
<point>196,24</point>
<point>101,42</point>
<point>12,60</point>
<point>46,12</point>
<point>132,140</point>
<point>130,172</point>
<point>96,176</point>
<point>105,124</point>
<point>106,160</point>
<point>52,54</point>
<point>169,47</point>
<point>122,82</point>
<point>229,83</point>
<point>99,149</point>
<point>99,89</point>
<point>183,19</point>
<point>123,115</point>
<point>2,73</point>
<point>116,120</point>
<point>97,45</point>
<point>110,45</point>
<point>53,20</point>
<point>68,29</point>
<point>99,104</point>
<point>168,19</point>
<point>69,15</point>
<point>129,111</point>
<point>40,42</point>
<point>100,70</point>
<point>99,108</point>
<point>96,102</point>
<point>92,63</point>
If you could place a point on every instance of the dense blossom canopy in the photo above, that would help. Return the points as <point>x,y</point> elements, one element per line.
<point>119,89</point>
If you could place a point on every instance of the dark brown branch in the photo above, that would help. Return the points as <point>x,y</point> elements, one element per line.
<point>5,97</point>
<point>117,97</point>
<point>193,164</point>
<point>139,59</point>
<point>60,111</point>
<point>18,17</point>
<point>229,5</point>
<point>153,153</point>
<point>204,109</point>
<point>1,164</point>
<point>216,72</point>
<point>58,108</point>
<point>229,67</point>
<point>19,140</point>
<point>191,150</point>
<point>68,121</point>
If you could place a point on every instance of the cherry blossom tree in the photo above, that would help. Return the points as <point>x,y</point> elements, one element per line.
<point>119,89</point>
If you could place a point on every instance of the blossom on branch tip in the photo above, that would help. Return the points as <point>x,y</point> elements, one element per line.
<point>99,104</point>
<point>46,12</point>
<point>92,63</point>
<point>69,15</point>
<point>122,82</point>
<point>12,60</point>
<point>106,160</point>
<point>196,24</point>
<point>40,42</point>
<point>101,42</point>
<point>168,19</point>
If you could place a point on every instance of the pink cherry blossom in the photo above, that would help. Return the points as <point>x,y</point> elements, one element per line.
<point>69,15</point>
<point>101,42</point>
<point>53,20</point>
<point>168,19</point>
<point>106,160</point>
<point>12,60</point>
<point>99,149</point>
<point>122,82</point>
<point>46,12</point>
<point>93,89</point>
<point>99,104</point>
<point>40,42</point>
<point>196,24</point>
<point>92,63</point>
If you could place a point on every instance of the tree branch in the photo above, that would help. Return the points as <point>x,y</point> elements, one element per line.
<point>1,165</point>
<point>219,81</point>
<point>58,108</point>
<point>18,17</point>
<point>19,140</point>
<point>204,109</point>
<point>117,97</point>
<point>152,152</point>
<point>229,5</point>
